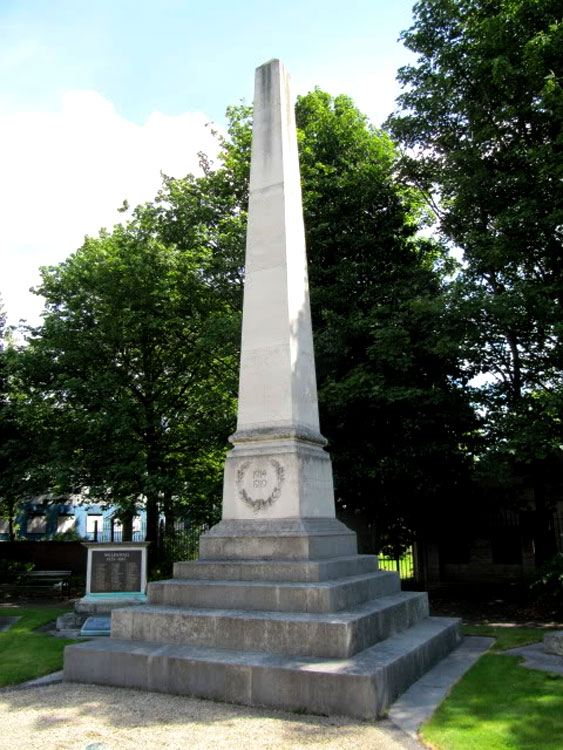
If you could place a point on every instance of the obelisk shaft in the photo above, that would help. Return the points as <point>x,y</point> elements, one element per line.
<point>277,469</point>
<point>277,388</point>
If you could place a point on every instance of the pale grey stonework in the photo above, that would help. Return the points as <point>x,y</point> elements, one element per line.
<point>553,643</point>
<point>277,469</point>
<point>279,539</point>
<point>279,610</point>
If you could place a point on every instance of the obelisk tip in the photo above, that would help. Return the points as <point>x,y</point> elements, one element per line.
<point>270,62</point>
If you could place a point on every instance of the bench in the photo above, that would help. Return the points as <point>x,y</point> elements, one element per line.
<point>53,579</point>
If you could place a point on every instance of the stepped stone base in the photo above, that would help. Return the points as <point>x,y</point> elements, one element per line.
<point>279,596</point>
<point>338,635</point>
<point>276,570</point>
<point>363,686</point>
<point>325,634</point>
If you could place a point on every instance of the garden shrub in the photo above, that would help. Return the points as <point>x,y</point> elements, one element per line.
<point>12,571</point>
<point>548,586</point>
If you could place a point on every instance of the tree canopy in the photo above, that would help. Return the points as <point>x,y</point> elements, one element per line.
<point>481,122</point>
<point>137,355</point>
<point>392,401</point>
<point>135,358</point>
<point>430,373</point>
<point>23,455</point>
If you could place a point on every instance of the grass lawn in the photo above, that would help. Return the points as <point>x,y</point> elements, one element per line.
<point>506,637</point>
<point>24,654</point>
<point>500,705</point>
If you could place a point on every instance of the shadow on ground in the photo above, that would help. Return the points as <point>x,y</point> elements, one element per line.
<point>73,715</point>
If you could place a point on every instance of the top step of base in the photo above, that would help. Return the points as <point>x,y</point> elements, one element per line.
<point>277,570</point>
<point>280,539</point>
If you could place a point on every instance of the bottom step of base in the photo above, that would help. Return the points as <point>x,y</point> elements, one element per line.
<point>363,686</point>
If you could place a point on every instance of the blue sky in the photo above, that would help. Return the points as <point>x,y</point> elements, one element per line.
<point>96,97</point>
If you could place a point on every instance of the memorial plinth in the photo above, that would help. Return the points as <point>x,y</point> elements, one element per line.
<point>279,610</point>
<point>116,576</point>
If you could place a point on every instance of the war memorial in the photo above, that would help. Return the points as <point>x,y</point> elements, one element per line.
<point>279,610</point>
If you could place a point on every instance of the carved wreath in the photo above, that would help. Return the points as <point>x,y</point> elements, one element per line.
<point>261,503</point>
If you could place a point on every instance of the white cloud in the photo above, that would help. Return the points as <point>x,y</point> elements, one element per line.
<point>64,175</point>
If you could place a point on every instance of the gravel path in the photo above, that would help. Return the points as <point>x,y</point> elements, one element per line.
<point>88,717</point>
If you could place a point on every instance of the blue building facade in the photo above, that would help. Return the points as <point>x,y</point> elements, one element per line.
<point>45,517</point>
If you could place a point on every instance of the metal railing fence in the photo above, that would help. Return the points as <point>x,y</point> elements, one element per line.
<point>404,565</point>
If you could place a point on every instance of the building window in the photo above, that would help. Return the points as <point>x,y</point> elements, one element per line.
<point>37,525</point>
<point>4,526</point>
<point>93,522</point>
<point>65,523</point>
<point>135,527</point>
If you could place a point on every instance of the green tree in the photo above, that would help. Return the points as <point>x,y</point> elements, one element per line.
<point>137,354</point>
<point>210,212</point>
<point>7,501</point>
<point>392,400</point>
<point>22,452</point>
<point>134,359</point>
<point>482,124</point>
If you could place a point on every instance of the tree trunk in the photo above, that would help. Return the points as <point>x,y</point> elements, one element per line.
<point>169,515</point>
<point>127,526</point>
<point>544,537</point>
<point>153,465</point>
<point>152,528</point>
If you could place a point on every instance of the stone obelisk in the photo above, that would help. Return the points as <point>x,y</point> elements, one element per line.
<point>278,479</point>
<point>279,610</point>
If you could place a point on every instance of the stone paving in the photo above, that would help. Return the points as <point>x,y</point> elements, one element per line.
<point>420,701</point>
<point>536,658</point>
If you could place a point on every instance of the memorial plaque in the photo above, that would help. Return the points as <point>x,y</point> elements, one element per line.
<point>116,570</point>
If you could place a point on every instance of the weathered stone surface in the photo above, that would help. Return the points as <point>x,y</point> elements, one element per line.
<point>280,539</point>
<point>553,643</point>
<point>329,596</point>
<point>277,570</point>
<point>362,686</point>
<point>277,468</point>
<point>277,380</point>
<point>338,634</point>
<point>102,605</point>
<point>278,479</point>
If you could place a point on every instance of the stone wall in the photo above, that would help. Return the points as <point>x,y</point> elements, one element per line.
<point>47,555</point>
